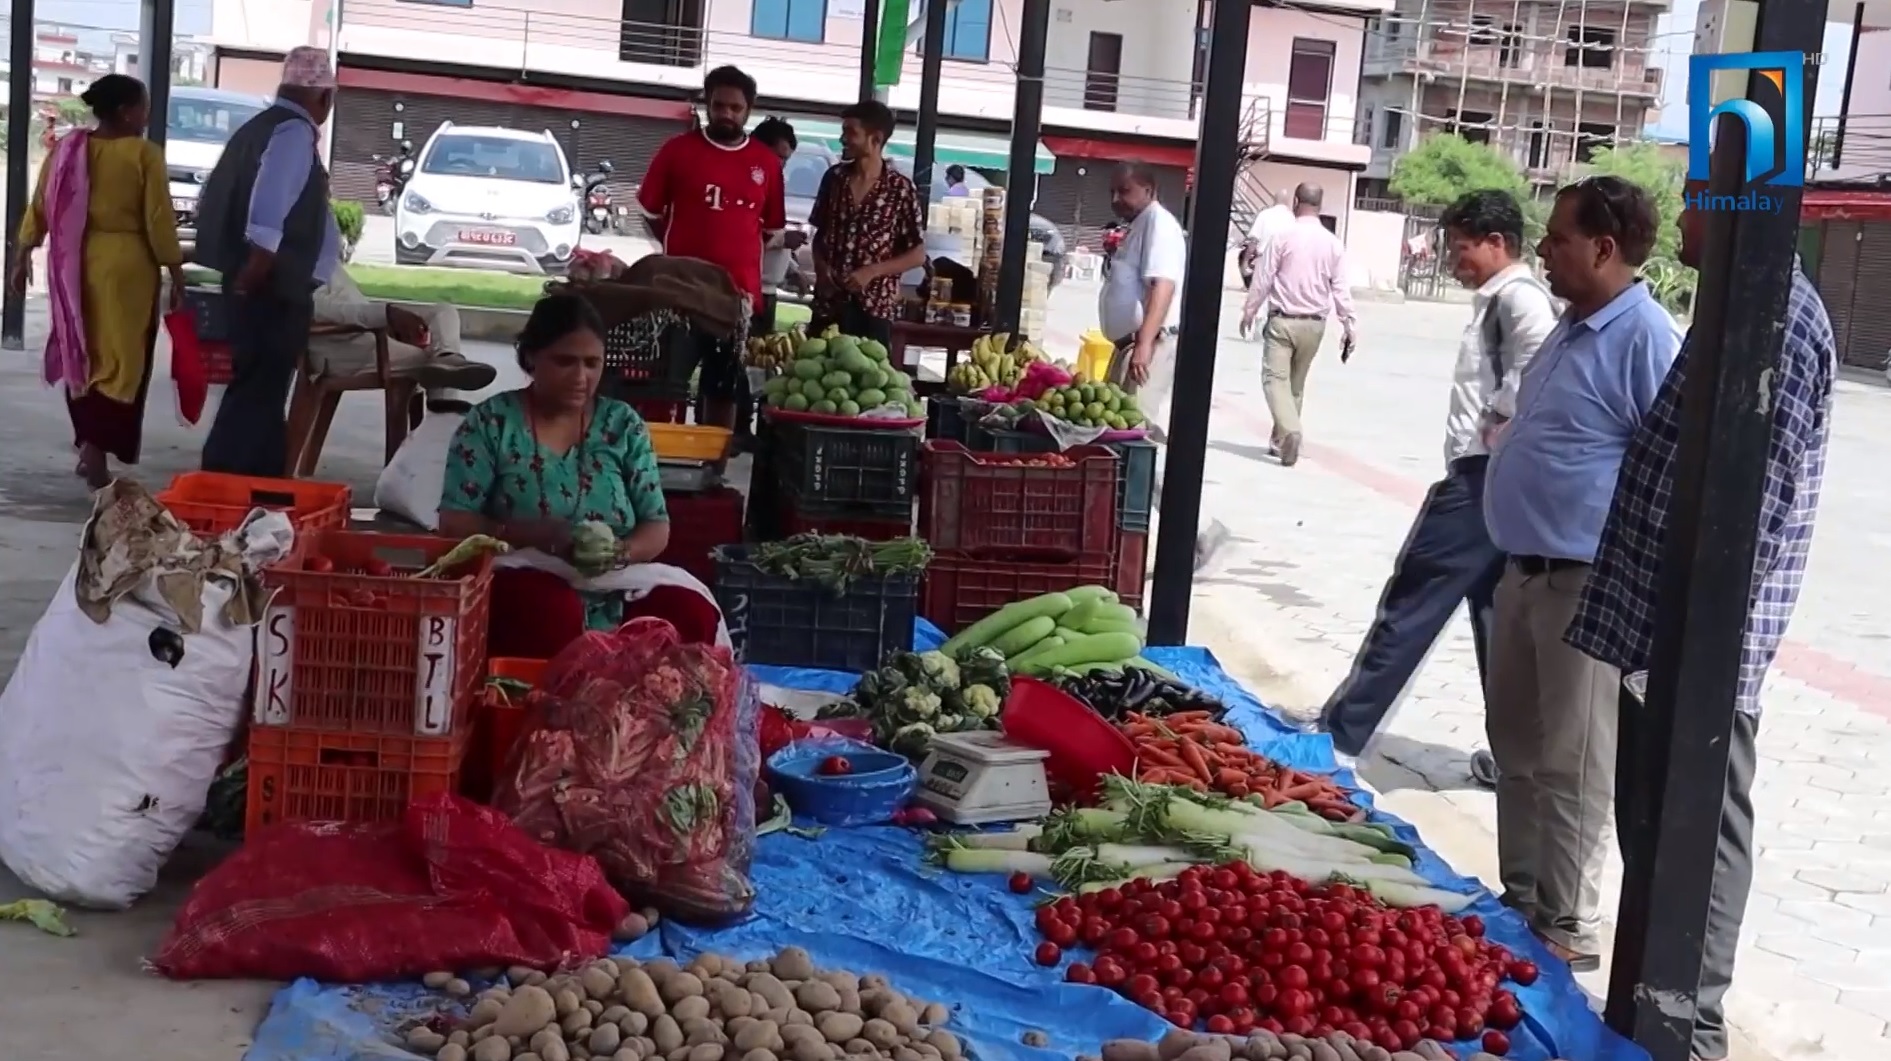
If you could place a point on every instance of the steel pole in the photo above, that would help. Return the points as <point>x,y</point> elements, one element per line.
<point>20,121</point>
<point>1217,161</point>
<point>1027,112</point>
<point>157,19</point>
<point>931,66</point>
<point>1703,600</point>
<point>869,45</point>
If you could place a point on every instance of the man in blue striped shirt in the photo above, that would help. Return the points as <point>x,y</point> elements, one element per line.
<point>1615,620</point>
<point>1550,710</point>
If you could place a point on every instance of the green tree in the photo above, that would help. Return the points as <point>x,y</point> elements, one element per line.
<point>1659,176</point>
<point>73,111</point>
<point>1445,166</point>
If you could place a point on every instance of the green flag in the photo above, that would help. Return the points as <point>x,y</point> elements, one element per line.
<point>891,56</point>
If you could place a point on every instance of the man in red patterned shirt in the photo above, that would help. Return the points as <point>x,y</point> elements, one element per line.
<point>867,230</point>
<point>713,193</point>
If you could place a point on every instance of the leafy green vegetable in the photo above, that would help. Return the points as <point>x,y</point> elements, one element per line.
<point>836,560</point>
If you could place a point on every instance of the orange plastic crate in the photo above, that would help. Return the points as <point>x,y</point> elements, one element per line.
<point>212,502</point>
<point>350,652</point>
<point>690,442</point>
<point>300,774</point>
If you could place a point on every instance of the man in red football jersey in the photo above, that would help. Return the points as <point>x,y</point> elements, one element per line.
<point>713,193</point>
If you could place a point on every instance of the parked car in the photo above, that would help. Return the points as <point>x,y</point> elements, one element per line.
<point>487,197</point>
<point>201,121</point>
<point>802,181</point>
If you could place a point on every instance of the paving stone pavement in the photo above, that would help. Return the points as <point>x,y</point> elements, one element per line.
<point>1314,544</point>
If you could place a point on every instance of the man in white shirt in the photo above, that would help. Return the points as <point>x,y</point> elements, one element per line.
<point>1300,282</point>
<point>1448,556</point>
<point>1141,305</point>
<point>1267,224</point>
<point>422,342</point>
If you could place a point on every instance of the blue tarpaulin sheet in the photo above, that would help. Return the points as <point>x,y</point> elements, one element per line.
<point>862,900</point>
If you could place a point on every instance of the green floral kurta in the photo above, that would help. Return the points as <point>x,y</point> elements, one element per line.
<point>495,468</point>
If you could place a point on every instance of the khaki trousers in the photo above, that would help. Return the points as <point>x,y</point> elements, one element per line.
<point>1288,346</point>
<point>351,354</point>
<point>1552,716</point>
<point>1152,394</point>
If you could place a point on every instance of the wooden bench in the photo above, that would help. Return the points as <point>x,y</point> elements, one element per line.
<point>313,403</point>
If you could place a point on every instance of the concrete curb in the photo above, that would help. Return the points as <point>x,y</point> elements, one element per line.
<point>491,325</point>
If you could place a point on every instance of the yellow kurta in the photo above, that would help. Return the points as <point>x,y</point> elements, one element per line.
<point>130,231</point>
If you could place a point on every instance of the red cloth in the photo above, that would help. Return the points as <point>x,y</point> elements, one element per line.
<point>719,201</point>
<point>534,614</point>
<point>188,371</point>
<point>452,885</point>
<point>113,426</point>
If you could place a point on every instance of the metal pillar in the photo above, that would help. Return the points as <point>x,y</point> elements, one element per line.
<point>1217,161</point>
<point>1706,571</point>
<point>869,45</point>
<point>157,19</point>
<point>1021,175</point>
<point>1845,95</point>
<point>931,65</point>
<point>20,122</point>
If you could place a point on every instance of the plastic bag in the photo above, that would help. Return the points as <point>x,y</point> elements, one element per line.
<point>452,885</point>
<point>410,485</point>
<point>641,752</point>
<point>780,729</point>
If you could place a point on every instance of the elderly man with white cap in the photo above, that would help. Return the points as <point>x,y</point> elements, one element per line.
<point>265,223</point>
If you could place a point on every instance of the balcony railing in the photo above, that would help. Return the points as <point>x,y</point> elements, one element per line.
<point>1864,153</point>
<point>1539,66</point>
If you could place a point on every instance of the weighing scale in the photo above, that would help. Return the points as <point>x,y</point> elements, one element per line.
<point>980,777</point>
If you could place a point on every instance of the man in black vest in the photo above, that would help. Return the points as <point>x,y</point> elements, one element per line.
<point>264,222</point>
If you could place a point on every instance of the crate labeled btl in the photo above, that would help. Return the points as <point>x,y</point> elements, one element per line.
<point>353,641</point>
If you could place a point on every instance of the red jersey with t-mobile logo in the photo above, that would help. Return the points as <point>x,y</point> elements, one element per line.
<point>721,201</point>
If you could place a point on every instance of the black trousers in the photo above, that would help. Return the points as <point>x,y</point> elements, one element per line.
<point>268,333</point>
<point>1448,558</point>
<point>1733,859</point>
<point>852,320</point>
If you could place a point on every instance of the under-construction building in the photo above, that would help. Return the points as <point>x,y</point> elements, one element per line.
<point>1546,82</point>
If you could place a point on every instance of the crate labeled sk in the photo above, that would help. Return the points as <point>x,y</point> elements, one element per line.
<point>355,641</point>
<point>298,774</point>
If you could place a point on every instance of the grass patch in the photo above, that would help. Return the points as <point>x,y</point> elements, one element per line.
<point>465,287</point>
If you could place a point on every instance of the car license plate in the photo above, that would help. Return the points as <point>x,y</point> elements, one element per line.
<point>488,237</point>
<point>184,205</point>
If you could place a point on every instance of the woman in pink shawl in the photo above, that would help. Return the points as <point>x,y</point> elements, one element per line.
<point>103,209</point>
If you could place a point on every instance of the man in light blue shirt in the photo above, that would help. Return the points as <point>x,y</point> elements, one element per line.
<point>1551,709</point>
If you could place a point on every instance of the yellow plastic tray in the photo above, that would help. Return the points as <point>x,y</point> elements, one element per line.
<point>690,442</point>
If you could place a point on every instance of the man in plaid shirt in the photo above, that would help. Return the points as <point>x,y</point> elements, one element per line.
<point>1614,622</point>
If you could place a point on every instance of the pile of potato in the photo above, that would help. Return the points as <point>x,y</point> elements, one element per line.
<point>1181,1045</point>
<point>714,1009</point>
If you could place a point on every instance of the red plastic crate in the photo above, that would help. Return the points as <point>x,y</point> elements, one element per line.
<point>699,522</point>
<point>1132,568</point>
<point>961,589</point>
<point>794,521</point>
<point>655,411</point>
<point>1012,502</point>
<point>496,727</point>
<point>298,774</point>
<point>211,503</point>
<point>219,365</point>
<point>350,652</point>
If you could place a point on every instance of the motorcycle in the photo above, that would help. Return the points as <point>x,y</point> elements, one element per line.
<point>598,211</point>
<point>1113,235</point>
<point>391,174</point>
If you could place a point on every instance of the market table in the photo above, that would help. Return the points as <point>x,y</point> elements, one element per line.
<point>862,899</point>
<point>951,338</point>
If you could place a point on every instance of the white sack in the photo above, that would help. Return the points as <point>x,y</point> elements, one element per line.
<point>410,485</point>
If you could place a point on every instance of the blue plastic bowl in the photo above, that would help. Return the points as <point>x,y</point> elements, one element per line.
<point>880,784</point>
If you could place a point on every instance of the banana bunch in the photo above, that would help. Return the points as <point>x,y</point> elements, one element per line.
<point>774,351</point>
<point>993,362</point>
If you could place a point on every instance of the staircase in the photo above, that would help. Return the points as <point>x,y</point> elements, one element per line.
<point>1251,194</point>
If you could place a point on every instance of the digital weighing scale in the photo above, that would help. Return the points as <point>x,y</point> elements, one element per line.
<point>980,777</point>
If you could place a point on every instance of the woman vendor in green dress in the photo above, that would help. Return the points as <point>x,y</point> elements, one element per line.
<point>529,465</point>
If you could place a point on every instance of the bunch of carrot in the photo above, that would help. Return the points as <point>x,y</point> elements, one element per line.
<point>1192,750</point>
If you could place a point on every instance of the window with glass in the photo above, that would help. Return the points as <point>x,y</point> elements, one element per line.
<point>497,157</point>
<point>789,20</point>
<point>968,30</point>
<point>207,121</point>
<point>1309,87</point>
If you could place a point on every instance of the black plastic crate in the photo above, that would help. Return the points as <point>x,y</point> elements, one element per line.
<point>1135,487</point>
<point>945,420</point>
<point>765,496</point>
<point>776,621</point>
<point>209,311</point>
<point>846,471</point>
<point>643,360</point>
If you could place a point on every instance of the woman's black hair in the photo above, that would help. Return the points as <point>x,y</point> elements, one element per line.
<point>776,131</point>
<point>1619,209</point>
<point>1487,213</point>
<point>553,318</point>
<point>729,77</point>
<point>111,94</point>
<point>955,174</point>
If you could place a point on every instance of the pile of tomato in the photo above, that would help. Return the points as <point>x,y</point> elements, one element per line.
<point>1241,950</point>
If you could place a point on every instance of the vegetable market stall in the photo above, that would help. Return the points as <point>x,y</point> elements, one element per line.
<point>866,900</point>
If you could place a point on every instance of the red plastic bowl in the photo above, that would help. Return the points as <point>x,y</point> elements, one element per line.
<point>1083,746</point>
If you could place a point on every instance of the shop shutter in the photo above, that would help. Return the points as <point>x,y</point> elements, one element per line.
<point>1079,203</point>
<point>1867,343</point>
<point>628,142</point>
<point>1838,276</point>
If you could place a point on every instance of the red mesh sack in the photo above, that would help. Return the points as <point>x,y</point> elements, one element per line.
<point>452,885</point>
<point>640,751</point>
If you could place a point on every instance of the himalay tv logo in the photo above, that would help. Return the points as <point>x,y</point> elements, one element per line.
<point>1775,126</point>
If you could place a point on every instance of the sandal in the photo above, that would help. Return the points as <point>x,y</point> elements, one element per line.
<point>1578,962</point>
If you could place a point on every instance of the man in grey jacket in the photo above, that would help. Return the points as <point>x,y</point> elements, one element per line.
<point>1448,557</point>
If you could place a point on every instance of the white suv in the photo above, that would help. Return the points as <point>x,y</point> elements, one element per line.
<point>200,123</point>
<point>491,198</point>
